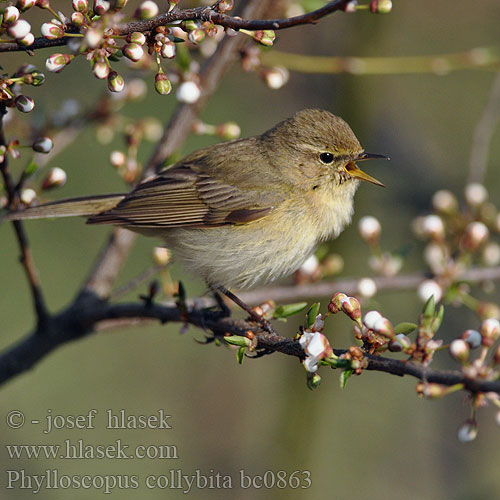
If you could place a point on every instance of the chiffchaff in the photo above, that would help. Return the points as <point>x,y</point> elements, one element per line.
<point>243,211</point>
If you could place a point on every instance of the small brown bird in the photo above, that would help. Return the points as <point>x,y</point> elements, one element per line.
<point>245,211</point>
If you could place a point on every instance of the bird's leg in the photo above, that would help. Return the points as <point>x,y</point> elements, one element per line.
<point>256,317</point>
<point>220,302</point>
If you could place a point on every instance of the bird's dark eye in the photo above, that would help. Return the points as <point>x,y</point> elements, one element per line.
<point>326,157</point>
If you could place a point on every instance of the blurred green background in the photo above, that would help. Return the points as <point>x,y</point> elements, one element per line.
<point>375,439</point>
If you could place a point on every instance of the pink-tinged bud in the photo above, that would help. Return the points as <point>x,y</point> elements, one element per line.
<point>117,159</point>
<point>27,41</point>
<point>472,337</point>
<point>28,196</point>
<point>444,201</point>
<point>147,10</point>
<point>475,194</point>
<point>188,92</point>
<point>43,145</point>
<point>19,29</point>
<point>196,36</point>
<point>384,327</point>
<point>56,177</point>
<point>93,38</point>
<point>400,343</point>
<point>429,288</point>
<point>380,6</point>
<point>225,5</point>
<point>352,308</point>
<point>335,304</point>
<point>101,70</point>
<point>468,431</point>
<point>11,14</point>
<point>350,7</point>
<point>162,256</point>
<point>490,331</point>
<point>133,51</point>
<point>43,4</point>
<point>25,4</point>
<point>57,62</point>
<point>460,350</point>
<point>276,77</point>
<point>367,287</point>
<point>168,50</point>
<point>136,37</point>
<point>228,131</point>
<point>78,19</point>
<point>431,390</point>
<point>115,82</point>
<point>433,227</point>
<point>264,37</point>
<point>52,31</point>
<point>24,103</point>
<point>80,6</point>
<point>476,233</point>
<point>369,229</point>
<point>370,319</point>
<point>101,7</point>
<point>162,84</point>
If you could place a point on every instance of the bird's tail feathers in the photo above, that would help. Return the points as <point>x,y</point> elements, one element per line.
<point>85,205</point>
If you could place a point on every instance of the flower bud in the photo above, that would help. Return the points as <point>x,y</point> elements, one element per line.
<point>475,194</point>
<point>475,234</point>
<point>56,177</point>
<point>168,50</point>
<point>228,131</point>
<point>43,4</point>
<point>136,37</point>
<point>162,256</point>
<point>472,337</point>
<point>264,37</point>
<point>162,84</point>
<point>491,254</point>
<point>133,51</point>
<point>314,381</point>
<point>367,287</point>
<point>11,14</point>
<point>460,350</point>
<point>310,266</point>
<point>444,201</point>
<point>384,327</point>
<point>225,5</point>
<point>490,331</point>
<point>433,227</point>
<point>335,304</point>
<point>467,431</point>
<point>147,10</point>
<point>80,6</point>
<point>24,103</point>
<point>115,82</point>
<point>352,308</point>
<point>119,4</point>
<point>93,38</point>
<point>78,19</point>
<point>276,77</point>
<point>370,319</point>
<point>57,62</point>
<point>369,229</point>
<point>380,6</point>
<point>487,310</point>
<point>43,145</point>
<point>188,92</point>
<point>196,36</point>
<point>429,288</point>
<point>350,7</point>
<point>25,4</point>
<point>28,196</point>
<point>101,70</point>
<point>27,41</point>
<point>400,343</point>
<point>117,159</point>
<point>52,31</point>
<point>19,29</point>
<point>101,7</point>
<point>431,390</point>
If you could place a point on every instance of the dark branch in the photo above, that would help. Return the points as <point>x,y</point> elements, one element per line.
<point>197,14</point>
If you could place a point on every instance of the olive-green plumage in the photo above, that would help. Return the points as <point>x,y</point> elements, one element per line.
<point>244,211</point>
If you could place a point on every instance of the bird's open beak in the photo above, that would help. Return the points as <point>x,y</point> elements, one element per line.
<point>354,171</point>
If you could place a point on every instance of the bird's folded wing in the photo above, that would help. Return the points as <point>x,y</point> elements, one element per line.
<point>182,197</point>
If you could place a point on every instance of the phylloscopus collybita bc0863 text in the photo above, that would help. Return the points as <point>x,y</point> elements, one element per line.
<point>245,211</point>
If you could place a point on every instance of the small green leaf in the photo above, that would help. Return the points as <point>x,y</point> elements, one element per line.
<point>405,327</point>
<point>429,307</point>
<point>176,39</point>
<point>288,310</point>
<point>238,340</point>
<point>344,377</point>
<point>240,355</point>
<point>183,58</point>
<point>30,169</point>
<point>312,313</point>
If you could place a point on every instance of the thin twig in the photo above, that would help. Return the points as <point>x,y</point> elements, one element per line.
<point>22,239</point>
<point>483,133</point>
